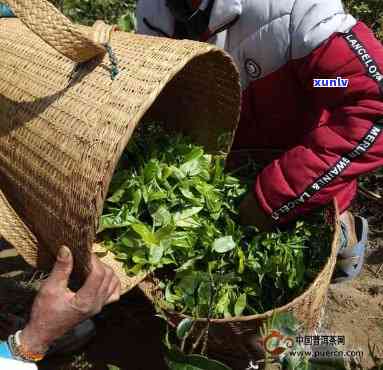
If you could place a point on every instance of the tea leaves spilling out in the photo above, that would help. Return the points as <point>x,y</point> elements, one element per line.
<point>172,210</point>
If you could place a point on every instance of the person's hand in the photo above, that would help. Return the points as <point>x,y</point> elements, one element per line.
<point>252,214</point>
<point>56,309</point>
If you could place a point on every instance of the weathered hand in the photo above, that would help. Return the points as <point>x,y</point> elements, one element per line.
<point>252,214</point>
<point>57,309</point>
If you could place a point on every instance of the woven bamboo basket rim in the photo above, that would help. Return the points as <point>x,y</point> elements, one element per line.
<point>42,18</point>
<point>178,73</point>
<point>327,269</point>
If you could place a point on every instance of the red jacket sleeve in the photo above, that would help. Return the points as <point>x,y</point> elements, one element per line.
<point>348,143</point>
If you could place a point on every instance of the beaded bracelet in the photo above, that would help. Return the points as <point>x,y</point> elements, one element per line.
<point>19,352</point>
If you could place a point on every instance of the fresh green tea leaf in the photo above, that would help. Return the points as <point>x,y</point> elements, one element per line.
<point>224,244</point>
<point>112,367</point>
<point>156,253</point>
<point>240,305</point>
<point>161,217</point>
<point>173,210</point>
<point>147,236</point>
<point>184,327</point>
<point>185,218</point>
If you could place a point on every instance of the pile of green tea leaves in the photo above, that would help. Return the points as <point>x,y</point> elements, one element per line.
<point>172,210</point>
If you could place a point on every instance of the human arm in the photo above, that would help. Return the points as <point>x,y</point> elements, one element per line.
<point>348,142</point>
<point>56,309</point>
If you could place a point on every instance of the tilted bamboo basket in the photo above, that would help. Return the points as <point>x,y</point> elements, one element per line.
<point>64,122</point>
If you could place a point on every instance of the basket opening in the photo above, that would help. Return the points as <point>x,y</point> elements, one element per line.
<point>187,104</point>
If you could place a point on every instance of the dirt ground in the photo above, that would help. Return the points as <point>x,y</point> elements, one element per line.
<point>355,309</point>
<point>129,334</point>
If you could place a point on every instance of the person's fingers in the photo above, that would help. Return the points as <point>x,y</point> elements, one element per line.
<point>62,269</point>
<point>94,281</point>
<point>114,291</point>
<point>101,287</point>
<point>252,214</point>
<point>106,284</point>
<point>115,297</point>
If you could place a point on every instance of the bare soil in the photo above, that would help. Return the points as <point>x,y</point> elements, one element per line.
<point>355,309</point>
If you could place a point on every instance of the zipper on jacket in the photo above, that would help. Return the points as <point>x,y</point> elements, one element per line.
<point>218,30</point>
<point>226,26</point>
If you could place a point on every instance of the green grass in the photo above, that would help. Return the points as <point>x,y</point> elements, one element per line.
<point>368,11</point>
<point>111,11</point>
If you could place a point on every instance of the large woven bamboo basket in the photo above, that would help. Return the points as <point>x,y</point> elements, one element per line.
<point>236,338</point>
<point>64,122</point>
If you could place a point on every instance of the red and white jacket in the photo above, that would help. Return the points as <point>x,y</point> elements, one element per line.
<point>329,135</point>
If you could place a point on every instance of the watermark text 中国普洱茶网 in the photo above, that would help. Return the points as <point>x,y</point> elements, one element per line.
<point>311,346</point>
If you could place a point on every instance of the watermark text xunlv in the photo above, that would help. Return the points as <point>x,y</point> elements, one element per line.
<point>330,82</point>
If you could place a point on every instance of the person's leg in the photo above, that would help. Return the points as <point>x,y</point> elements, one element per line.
<point>353,238</point>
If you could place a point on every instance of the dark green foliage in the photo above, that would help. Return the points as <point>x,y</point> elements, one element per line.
<point>368,11</point>
<point>111,11</point>
<point>172,209</point>
<point>122,12</point>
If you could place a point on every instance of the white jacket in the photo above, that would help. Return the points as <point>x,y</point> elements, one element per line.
<point>294,28</point>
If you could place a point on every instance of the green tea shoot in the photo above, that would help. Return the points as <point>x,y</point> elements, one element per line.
<point>173,211</point>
